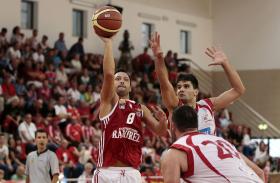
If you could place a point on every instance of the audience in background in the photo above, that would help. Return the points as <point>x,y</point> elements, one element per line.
<point>58,90</point>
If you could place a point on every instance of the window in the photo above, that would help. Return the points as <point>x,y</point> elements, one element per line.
<point>78,23</point>
<point>27,15</point>
<point>146,30</point>
<point>185,42</point>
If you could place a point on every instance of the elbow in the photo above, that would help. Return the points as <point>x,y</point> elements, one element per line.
<point>261,175</point>
<point>108,74</point>
<point>242,90</point>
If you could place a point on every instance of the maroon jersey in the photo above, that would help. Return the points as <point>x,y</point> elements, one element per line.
<point>122,135</point>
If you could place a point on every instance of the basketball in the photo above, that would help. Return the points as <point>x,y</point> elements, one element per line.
<point>107,21</point>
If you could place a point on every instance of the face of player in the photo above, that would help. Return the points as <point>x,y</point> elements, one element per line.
<point>186,91</point>
<point>122,84</point>
<point>41,140</point>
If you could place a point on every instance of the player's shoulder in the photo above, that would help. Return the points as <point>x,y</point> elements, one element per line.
<point>205,101</point>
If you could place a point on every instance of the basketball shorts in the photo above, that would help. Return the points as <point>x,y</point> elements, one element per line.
<point>116,175</point>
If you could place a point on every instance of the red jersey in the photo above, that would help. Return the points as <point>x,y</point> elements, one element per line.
<point>122,135</point>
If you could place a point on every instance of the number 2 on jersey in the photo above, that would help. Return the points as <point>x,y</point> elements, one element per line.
<point>224,149</point>
<point>130,118</point>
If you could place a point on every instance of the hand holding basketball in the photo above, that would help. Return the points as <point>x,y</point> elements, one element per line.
<point>107,21</point>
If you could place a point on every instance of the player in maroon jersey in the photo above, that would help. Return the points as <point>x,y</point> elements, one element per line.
<point>187,87</point>
<point>121,122</point>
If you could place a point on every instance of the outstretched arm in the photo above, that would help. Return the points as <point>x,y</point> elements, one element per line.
<point>157,124</point>
<point>108,96</point>
<point>238,89</point>
<point>168,94</point>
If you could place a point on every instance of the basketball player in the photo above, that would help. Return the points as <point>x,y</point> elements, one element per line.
<point>199,158</point>
<point>187,87</point>
<point>121,120</point>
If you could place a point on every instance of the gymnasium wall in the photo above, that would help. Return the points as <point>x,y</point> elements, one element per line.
<point>56,16</point>
<point>249,33</point>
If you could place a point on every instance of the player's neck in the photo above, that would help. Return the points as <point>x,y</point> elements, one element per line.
<point>125,97</point>
<point>191,103</point>
<point>188,132</point>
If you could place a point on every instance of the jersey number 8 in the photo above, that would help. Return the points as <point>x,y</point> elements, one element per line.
<point>130,118</point>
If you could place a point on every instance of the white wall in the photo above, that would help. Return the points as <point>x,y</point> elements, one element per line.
<point>55,16</point>
<point>249,32</point>
<point>201,35</point>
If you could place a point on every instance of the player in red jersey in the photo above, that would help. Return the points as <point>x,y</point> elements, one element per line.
<point>121,122</point>
<point>199,158</point>
<point>187,87</point>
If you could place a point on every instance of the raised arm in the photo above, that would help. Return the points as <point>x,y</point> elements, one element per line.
<point>238,89</point>
<point>157,124</point>
<point>168,94</point>
<point>108,96</point>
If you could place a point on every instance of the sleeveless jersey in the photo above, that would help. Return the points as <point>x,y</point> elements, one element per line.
<point>212,159</point>
<point>205,114</point>
<point>122,135</point>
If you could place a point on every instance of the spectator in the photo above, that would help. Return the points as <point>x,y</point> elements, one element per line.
<point>15,153</point>
<point>50,74</point>
<point>20,87</point>
<point>125,47</point>
<point>76,63</point>
<point>87,174</point>
<point>5,162</point>
<point>16,36</point>
<point>261,154</point>
<point>45,91</point>
<point>38,56</point>
<point>77,48</point>
<point>145,61</point>
<point>60,43</point>
<point>87,131</point>
<point>73,92</point>
<point>61,74</point>
<point>3,39</point>
<point>74,131</point>
<point>20,174</point>
<point>32,41</point>
<point>44,44</point>
<point>61,113</point>
<point>169,61</point>
<point>14,51</point>
<point>85,78</point>
<point>8,88</point>
<point>27,130</point>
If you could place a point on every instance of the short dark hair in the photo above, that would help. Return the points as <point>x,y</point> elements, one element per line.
<point>188,77</point>
<point>122,70</point>
<point>184,118</point>
<point>4,30</point>
<point>40,131</point>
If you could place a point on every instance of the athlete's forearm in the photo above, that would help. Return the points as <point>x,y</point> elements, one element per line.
<point>108,60</point>
<point>234,78</point>
<point>162,72</point>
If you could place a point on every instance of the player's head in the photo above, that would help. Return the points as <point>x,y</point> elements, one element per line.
<point>41,139</point>
<point>184,119</point>
<point>187,87</point>
<point>122,83</point>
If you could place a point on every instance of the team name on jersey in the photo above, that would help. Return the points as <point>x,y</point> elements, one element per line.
<point>127,133</point>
